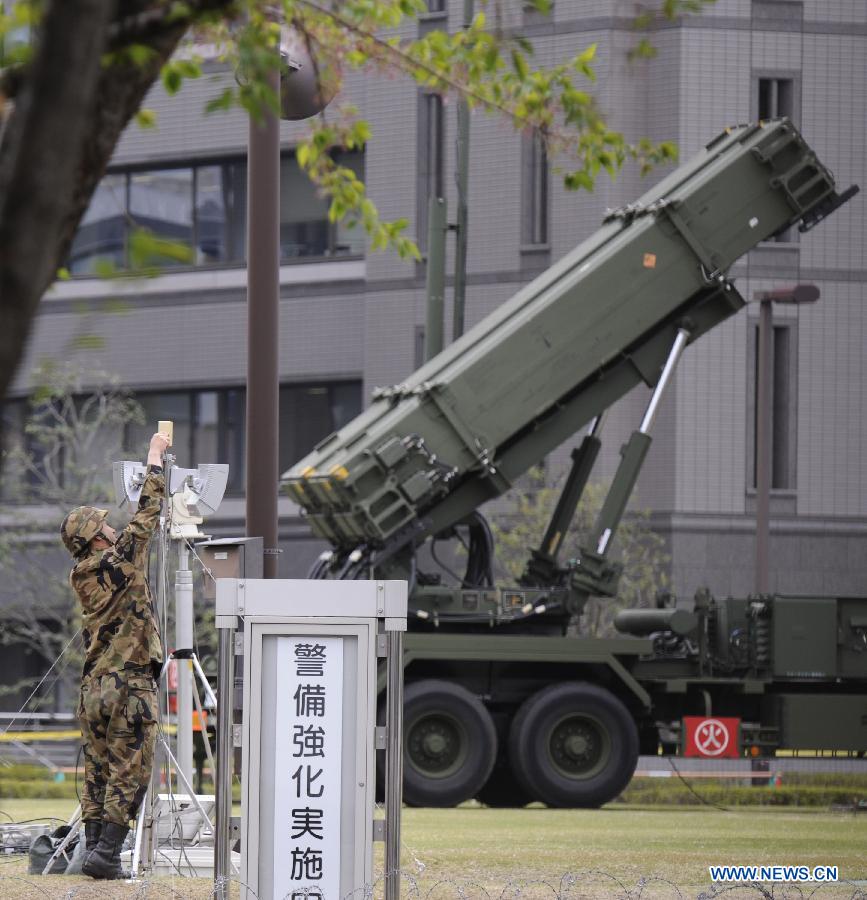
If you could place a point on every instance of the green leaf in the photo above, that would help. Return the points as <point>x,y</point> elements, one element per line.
<point>588,55</point>
<point>147,249</point>
<point>176,70</point>
<point>644,49</point>
<point>575,181</point>
<point>524,44</point>
<point>105,268</point>
<point>171,80</point>
<point>361,133</point>
<point>221,103</point>
<point>146,118</point>
<point>542,6</point>
<point>140,54</point>
<point>520,64</point>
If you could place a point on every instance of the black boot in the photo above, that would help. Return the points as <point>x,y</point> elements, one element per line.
<point>104,860</point>
<point>92,831</point>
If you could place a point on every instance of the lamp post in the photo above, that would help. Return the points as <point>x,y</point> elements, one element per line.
<point>305,89</point>
<point>801,293</point>
<point>263,292</point>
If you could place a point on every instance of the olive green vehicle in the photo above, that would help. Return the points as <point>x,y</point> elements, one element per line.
<point>500,704</point>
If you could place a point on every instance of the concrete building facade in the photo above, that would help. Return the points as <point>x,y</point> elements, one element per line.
<point>351,320</point>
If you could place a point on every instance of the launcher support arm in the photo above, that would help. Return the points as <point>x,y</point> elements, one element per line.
<point>592,573</point>
<point>542,567</point>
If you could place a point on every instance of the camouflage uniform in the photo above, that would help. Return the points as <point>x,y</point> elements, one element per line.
<point>123,654</point>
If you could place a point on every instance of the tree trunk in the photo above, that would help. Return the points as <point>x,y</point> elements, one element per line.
<point>69,114</point>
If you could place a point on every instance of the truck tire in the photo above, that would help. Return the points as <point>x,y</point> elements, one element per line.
<point>449,744</point>
<point>573,745</point>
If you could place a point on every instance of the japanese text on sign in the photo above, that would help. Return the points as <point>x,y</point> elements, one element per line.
<point>307,784</point>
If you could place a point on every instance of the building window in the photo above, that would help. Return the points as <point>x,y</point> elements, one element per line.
<point>783,406</point>
<point>310,412</point>
<point>220,213</point>
<point>304,226</point>
<point>431,158</point>
<point>208,427</point>
<point>534,191</point>
<point>162,202</point>
<point>55,449</point>
<point>776,98</point>
<point>437,6</point>
<point>102,235</point>
<point>778,15</point>
<point>203,207</point>
<point>210,423</point>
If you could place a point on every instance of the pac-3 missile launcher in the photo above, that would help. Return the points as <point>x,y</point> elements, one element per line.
<point>495,691</point>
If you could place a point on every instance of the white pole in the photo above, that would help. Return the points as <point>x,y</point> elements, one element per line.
<point>225,767</point>
<point>184,641</point>
<point>393,763</point>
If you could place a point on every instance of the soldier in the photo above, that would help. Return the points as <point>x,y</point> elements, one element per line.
<point>123,655</point>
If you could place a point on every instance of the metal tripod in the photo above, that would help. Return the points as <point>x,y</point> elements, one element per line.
<point>140,848</point>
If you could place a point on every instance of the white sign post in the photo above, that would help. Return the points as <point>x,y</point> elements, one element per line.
<point>311,651</point>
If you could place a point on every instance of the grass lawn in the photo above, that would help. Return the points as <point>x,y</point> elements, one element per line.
<point>610,850</point>
<point>628,844</point>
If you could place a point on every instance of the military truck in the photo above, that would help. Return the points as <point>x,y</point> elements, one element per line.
<point>500,703</point>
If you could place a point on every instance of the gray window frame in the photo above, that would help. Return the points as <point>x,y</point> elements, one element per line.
<point>789,235</point>
<point>784,468</point>
<point>195,164</point>
<point>792,76</point>
<point>777,15</point>
<point>187,454</point>
<point>535,202</point>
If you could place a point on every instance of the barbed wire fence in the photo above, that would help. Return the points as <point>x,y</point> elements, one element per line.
<point>419,883</point>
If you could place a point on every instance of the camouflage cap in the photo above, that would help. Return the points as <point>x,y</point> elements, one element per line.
<point>80,527</point>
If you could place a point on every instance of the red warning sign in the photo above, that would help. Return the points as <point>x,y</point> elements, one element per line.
<point>711,738</point>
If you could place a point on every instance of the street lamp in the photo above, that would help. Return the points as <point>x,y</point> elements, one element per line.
<point>303,93</point>
<point>799,294</point>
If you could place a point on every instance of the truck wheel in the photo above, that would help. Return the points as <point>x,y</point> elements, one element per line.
<point>449,743</point>
<point>573,744</point>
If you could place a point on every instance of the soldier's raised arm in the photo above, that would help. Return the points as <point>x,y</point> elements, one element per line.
<point>136,535</point>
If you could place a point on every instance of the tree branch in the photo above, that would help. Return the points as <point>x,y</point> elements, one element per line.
<point>145,25</point>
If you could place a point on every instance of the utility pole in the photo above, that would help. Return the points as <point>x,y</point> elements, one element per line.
<point>461,181</point>
<point>436,270</point>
